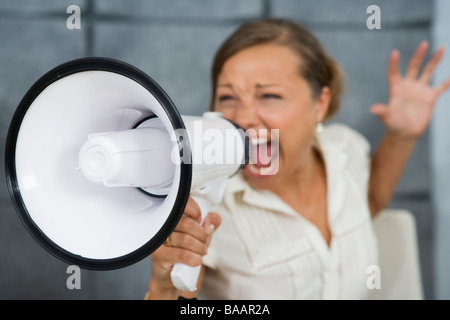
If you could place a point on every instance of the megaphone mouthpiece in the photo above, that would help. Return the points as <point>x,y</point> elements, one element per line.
<point>131,158</point>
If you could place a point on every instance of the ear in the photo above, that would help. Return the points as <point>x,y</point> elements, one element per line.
<point>322,103</point>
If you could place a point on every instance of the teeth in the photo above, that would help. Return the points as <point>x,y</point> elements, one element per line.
<point>258,140</point>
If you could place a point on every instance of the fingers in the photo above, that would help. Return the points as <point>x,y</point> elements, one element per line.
<point>443,87</point>
<point>165,257</point>
<point>414,66</point>
<point>393,73</point>
<point>431,66</point>
<point>190,235</point>
<point>429,69</point>
<point>192,242</point>
<point>190,227</point>
<point>192,210</point>
<point>416,61</point>
<point>379,110</point>
<point>187,244</point>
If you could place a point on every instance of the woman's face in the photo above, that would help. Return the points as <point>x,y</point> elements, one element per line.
<point>260,88</point>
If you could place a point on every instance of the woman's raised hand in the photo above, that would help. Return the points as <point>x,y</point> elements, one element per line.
<point>411,98</point>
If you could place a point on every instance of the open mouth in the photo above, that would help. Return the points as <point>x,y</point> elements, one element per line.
<point>264,156</point>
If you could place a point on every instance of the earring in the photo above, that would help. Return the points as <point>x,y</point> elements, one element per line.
<point>319,127</point>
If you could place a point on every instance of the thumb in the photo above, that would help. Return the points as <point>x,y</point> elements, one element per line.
<point>379,109</point>
<point>212,222</point>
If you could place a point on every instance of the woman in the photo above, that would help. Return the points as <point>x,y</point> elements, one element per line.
<point>306,230</point>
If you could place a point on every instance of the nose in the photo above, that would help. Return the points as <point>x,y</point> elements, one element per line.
<point>247,116</point>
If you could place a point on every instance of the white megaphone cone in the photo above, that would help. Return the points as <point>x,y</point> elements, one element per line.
<point>100,164</point>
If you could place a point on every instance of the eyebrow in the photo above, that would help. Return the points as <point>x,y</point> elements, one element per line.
<point>258,85</point>
<point>227,85</point>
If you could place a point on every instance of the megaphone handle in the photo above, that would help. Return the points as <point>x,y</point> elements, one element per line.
<point>185,277</point>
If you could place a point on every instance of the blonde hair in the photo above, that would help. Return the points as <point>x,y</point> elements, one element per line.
<point>316,66</point>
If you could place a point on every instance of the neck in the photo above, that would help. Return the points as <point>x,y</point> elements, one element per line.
<point>301,180</point>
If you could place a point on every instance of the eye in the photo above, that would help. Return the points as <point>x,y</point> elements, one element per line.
<point>225,97</point>
<point>271,96</point>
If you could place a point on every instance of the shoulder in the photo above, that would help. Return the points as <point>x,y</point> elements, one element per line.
<point>346,150</point>
<point>341,134</point>
<point>344,137</point>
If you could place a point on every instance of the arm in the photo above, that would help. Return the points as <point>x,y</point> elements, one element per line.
<point>406,116</point>
<point>187,244</point>
<point>387,165</point>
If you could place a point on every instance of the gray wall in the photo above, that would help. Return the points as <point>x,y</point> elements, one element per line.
<point>440,155</point>
<point>174,42</point>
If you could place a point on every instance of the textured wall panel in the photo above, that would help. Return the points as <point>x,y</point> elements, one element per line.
<point>182,9</point>
<point>36,8</point>
<point>178,58</point>
<point>352,12</point>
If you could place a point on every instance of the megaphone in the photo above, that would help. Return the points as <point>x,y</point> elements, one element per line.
<point>100,164</point>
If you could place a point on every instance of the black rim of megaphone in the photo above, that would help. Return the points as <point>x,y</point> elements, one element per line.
<point>127,70</point>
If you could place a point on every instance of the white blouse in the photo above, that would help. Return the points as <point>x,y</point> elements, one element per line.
<point>264,249</point>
